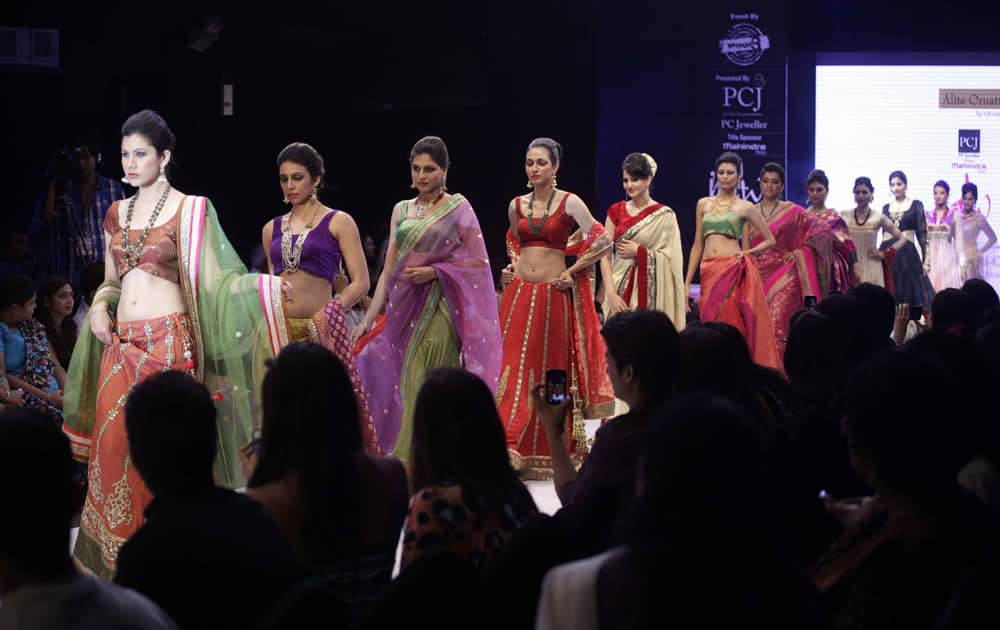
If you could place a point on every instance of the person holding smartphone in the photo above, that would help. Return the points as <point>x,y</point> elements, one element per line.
<point>643,358</point>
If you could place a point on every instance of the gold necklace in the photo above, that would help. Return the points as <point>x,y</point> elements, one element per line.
<point>719,208</point>
<point>291,254</point>
<point>896,213</point>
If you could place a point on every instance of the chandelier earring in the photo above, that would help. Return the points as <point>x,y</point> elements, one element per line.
<point>285,200</point>
<point>314,193</point>
<point>530,185</point>
<point>444,184</point>
<point>163,174</point>
<point>554,181</point>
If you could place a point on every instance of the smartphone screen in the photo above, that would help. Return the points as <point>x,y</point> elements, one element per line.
<point>555,386</point>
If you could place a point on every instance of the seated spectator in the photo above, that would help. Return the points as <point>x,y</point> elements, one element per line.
<point>852,315</point>
<point>816,361</point>
<point>437,576</point>
<point>40,588</point>
<point>467,498</point>
<point>34,378</point>
<point>880,313</point>
<point>980,454</point>
<point>953,311</point>
<point>340,508</point>
<point>694,556</point>
<point>15,254</point>
<point>210,557</point>
<point>984,296</point>
<point>93,277</point>
<point>642,354</point>
<point>55,310</point>
<point>988,338</point>
<point>716,360</point>
<point>898,568</point>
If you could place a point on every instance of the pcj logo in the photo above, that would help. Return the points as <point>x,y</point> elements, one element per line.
<point>968,141</point>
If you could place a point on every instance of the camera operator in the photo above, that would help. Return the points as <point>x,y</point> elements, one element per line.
<point>68,225</point>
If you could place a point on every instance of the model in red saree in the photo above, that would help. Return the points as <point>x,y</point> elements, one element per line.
<point>544,328</point>
<point>844,252</point>
<point>798,265</point>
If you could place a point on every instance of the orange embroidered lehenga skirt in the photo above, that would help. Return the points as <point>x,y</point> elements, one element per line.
<point>116,496</point>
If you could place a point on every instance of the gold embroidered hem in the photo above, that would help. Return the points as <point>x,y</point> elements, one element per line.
<point>116,496</point>
<point>538,467</point>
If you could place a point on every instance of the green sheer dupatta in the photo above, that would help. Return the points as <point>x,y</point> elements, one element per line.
<point>238,323</point>
<point>82,378</point>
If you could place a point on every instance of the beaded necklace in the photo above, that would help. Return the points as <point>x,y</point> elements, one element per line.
<point>134,251</point>
<point>867,216</point>
<point>291,254</point>
<point>531,212</point>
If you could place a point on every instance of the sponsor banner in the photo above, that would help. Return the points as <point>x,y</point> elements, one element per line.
<point>742,80</point>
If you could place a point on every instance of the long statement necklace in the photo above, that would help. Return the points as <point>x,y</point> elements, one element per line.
<point>133,251</point>
<point>537,229</point>
<point>291,254</point>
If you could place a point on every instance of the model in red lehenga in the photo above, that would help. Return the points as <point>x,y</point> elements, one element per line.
<point>547,314</point>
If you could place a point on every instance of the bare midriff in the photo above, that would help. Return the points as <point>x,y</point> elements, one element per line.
<point>540,264</point>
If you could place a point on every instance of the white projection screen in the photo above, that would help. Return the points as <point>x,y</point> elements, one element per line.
<point>928,120</point>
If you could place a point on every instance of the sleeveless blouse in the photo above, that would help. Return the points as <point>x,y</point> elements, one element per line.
<point>321,253</point>
<point>727,223</point>
<point>554,233</point>
<point>158,256</point>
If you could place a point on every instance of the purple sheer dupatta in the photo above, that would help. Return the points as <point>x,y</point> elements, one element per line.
<point>449,240</point>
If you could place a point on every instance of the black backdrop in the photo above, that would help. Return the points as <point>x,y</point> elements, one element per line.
<point>363,81</point>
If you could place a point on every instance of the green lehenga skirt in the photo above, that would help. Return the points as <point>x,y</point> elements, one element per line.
<point>438,347</point>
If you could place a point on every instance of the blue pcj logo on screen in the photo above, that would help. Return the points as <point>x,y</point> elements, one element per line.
<point>968,141</point>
